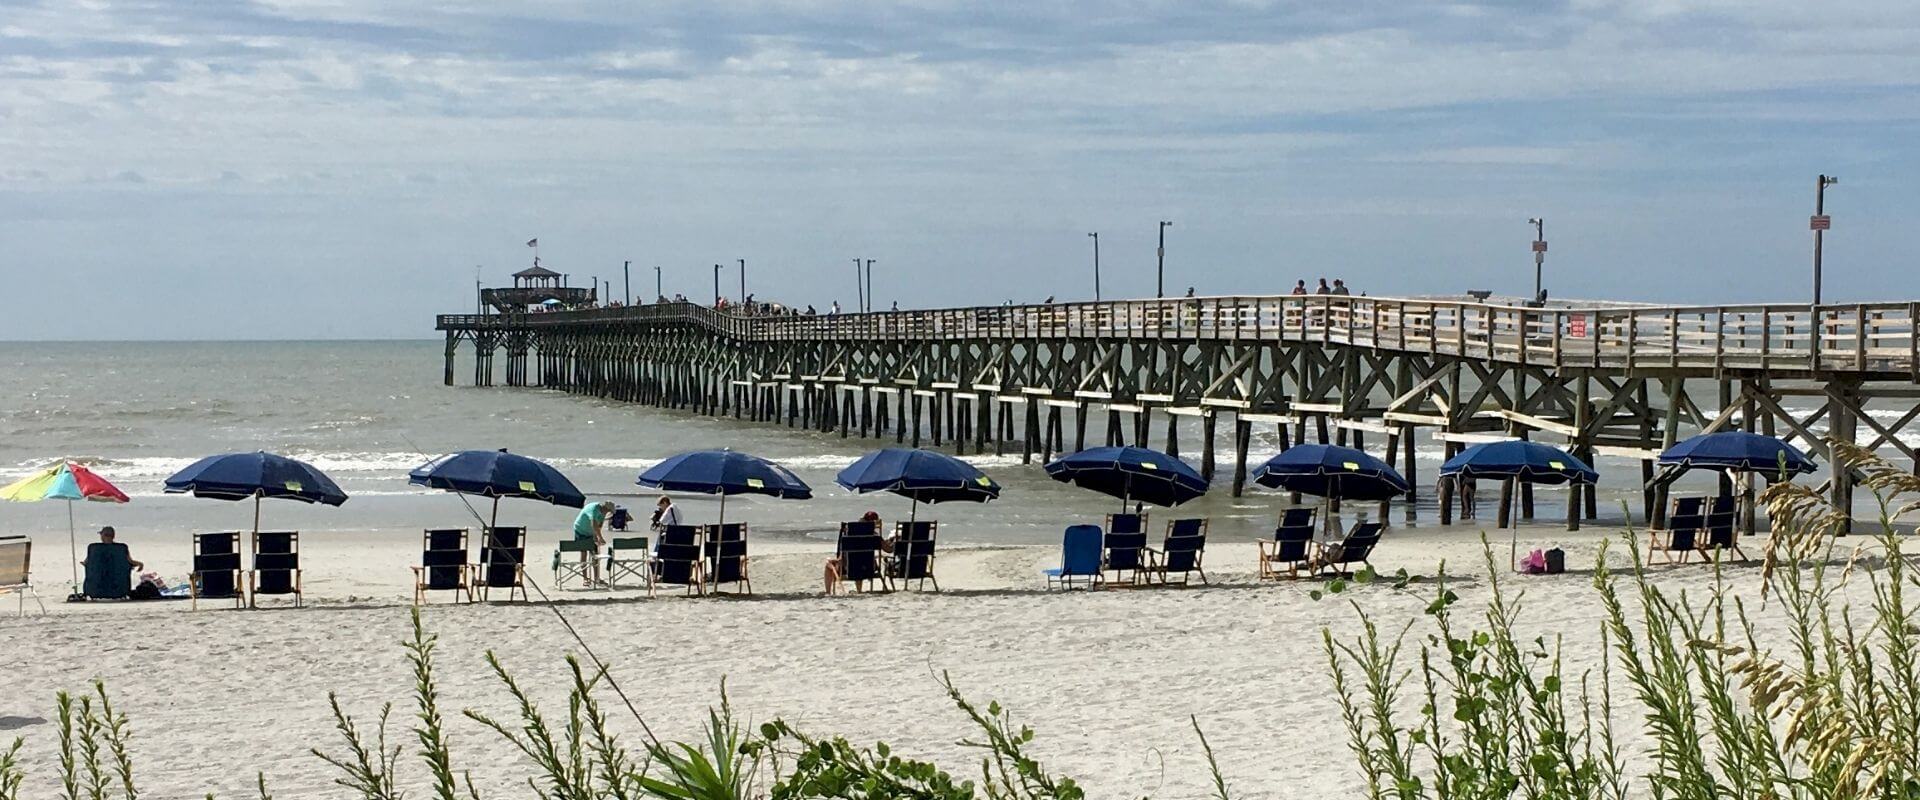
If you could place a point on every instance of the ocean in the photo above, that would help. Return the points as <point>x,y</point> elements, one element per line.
<point>367,412</point>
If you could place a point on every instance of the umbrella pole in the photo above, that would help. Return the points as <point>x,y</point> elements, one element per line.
<point>723,508</point>
<point>73,547</point>
<point>495,519</point>
<point>256,514</point>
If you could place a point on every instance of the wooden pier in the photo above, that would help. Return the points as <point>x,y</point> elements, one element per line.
<point>1383,374</point>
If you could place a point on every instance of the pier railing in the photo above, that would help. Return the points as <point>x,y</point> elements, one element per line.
<point>1867,337</point>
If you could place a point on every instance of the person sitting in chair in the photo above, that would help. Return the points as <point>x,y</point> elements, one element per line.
<point>106,537</point>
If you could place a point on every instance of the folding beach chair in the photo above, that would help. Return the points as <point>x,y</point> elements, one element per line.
<point>1682,534</point>
<point>16,570</point>
<point>503,562</point>
<point>443,566</point>
<point>568,564</point>
<point>1292,545</point>
<point>912,557</point>
<point>726,551</point>
<point>858,551</point>
<point>1124,554</point>
<point>1079,558</point>
<point>677,559</point>
<point>1355,549</point>
<point>276,566</point>
<point>216,568</point>
<point>619,566</point>
<point>109,571</point>
<point>1126,523</point>
<point>1182,552</point>
<point>1722,528</point>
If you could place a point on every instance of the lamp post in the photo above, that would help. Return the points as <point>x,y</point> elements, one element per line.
<point>1820,223</point>
<point>1539,254</point>
<point>626,274</point>
<point>1096,265</point>
<point>859,285</point>
<point>716,286</point>
<point>1160,289</point>
<point>869,284</point>
<point>743,283</point>
<point>659,290</point>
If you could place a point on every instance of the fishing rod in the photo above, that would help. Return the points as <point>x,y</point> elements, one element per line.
<point>601,669</point>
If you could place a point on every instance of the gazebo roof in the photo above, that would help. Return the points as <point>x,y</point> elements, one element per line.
<point>536,272</point>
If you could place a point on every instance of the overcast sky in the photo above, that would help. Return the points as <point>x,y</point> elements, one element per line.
<point>338,168</point>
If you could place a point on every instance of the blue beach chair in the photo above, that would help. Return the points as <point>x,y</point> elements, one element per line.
<point>726,549</point>
<point>1182,552</point>
<point>1292,545</point>
<point>677,559</point>
<point>1339,558</point>
<point>443,565</point>
<point>912,557</point>
<point>503,562</point>
<point>1079,558</point>
<point>858,550</point>
<point>216,568</point>
<point>1722,527</point>
<point>276,566</point>
<point>109,571</point>
<point>1683,531</point>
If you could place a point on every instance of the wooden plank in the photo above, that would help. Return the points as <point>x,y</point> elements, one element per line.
<point>1619,451</point>
<point>1221,402</point>
<point>1470,438</point>
<point>1321,408</point>
<point>1417,419</point>
<point>1539,423</point>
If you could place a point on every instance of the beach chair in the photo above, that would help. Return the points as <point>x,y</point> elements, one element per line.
<point>1339,558</point>
<point>626,567</point>
<point>1291,547</point>
<point>726,551</point>
<point>216,568</point>
<point>109,572</point>
<point>677,559</point>
<point>1722,527</point>
<point>16,570</point>
<point>1182,552</point>
<point>912,557</point>
<point>1079,558</point>
<point>276,566</point>
<point>858,550</point>
<point>1126,523</point>
<point>567,563</point>
<point>443,566</point>
<point>1124,554</point>
<point>503,562</point>
<point>1683,531</point>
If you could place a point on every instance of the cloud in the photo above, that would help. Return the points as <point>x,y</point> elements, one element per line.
<point>810,124</point>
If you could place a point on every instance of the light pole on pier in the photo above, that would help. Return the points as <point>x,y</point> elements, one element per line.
<point>859,285</point>
<point>659,290</point>
<point>869,284</point>
<point>1160,289</point>
<point>716,286</point>
<point>1096,265</point>
<point>1820,223</point>
<point>626,274</point>
<point>1539,255</point>
<point>743,283</point>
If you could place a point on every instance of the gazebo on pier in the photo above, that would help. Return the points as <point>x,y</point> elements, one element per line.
<point>536,287</point>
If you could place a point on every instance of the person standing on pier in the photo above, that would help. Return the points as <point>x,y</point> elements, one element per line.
<point>835,308</point>
<point>1300,288</point>
<point>1340,288</point>
<point>1322,288</point>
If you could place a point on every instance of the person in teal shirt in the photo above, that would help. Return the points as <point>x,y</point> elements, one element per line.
<point>586,526</point>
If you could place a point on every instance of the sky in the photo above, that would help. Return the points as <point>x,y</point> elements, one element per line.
<point>287,169</point>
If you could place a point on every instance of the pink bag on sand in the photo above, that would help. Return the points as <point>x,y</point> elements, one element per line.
<point>1535,563</point>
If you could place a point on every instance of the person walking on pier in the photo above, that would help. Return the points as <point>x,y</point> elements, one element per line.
<point>835,308</point>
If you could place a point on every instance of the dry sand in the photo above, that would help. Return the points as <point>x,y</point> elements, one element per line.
<point>1108,679</point>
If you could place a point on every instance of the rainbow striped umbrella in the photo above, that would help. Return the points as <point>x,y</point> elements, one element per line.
<point>64,481</point>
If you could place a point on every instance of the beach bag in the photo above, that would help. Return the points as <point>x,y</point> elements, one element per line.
<point>145,591</point>
<point>1556,561</point>
<point>1535,563</point>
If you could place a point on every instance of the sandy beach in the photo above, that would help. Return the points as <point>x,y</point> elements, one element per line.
<point>1108,679</point>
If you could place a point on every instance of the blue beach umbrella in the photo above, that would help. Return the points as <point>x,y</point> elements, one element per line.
<point>1530,462</point>
<point>923,476</point>
<point>497,474</point>
<point>1738,451</point>
<point>256,475</point>
<point>1130,473</point>
<point>724,472</point>
<point>1330,471</point>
